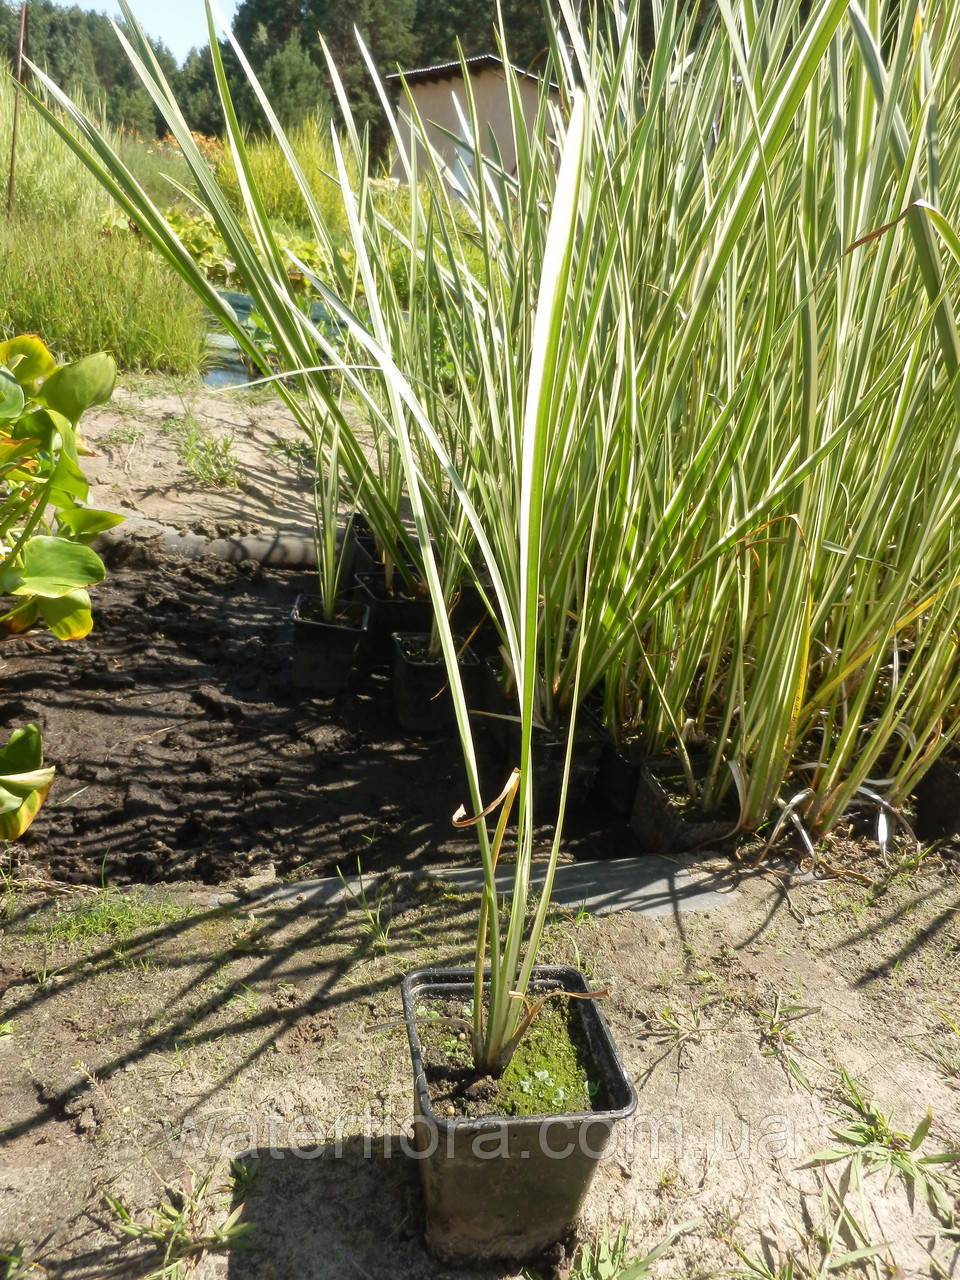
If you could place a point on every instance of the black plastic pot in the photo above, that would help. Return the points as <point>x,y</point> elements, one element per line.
<point>510,1187</point>
<point>549,750</point>
<point>660,828</point>
<point>618,775</point>
<point>324,652</point>
<point>390,613</point>
<point>469,618</point>
<point>421,695</point>
<point>364,545</point>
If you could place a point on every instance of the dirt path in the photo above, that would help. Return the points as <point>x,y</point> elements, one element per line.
<point>150,434</point>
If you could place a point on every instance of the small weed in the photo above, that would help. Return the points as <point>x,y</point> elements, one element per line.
<point>106,914</point>
<point>249,937</point>
<point>6,1026</point>
<point>377,930</point>
<point>206,459</point>
<point>680,1025</point>
<point>296,453</point>
<point>839,1244</point>
<point>181,1231</point>
<point>16,1266</point>
<point>706,977</point>
<point>244,1174</point>
<point>43,973</point>
<point>777,1035</point>
<point>606,1261</point>
<point>870,1142</point>
<point>137,964</point>
<point>124,433</point>
<point>559,941</point>
<point>946,1055</point>
<point>245,1000</point>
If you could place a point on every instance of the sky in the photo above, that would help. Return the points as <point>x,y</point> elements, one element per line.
<point>180,24</point>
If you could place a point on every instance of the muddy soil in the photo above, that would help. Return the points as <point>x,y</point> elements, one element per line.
<point>182,750</point>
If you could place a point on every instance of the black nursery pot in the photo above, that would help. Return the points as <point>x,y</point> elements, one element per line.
<point>324,652</point>
<point>658,826</point>
<point>510,1187</point>
<point>390,613</point>
<point>421,694</point>
<point>619,773</point>
<point>549,750</point>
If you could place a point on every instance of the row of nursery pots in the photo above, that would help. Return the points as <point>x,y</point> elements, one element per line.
<point>395,630</point>
<point>372,626</point>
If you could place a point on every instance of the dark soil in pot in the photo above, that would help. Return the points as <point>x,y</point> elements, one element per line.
<point>618,775</point>
<point>502,732</point>
<point>324,650</point>
<point>421,693</point>
<point>664,819</point>
<point>469,618</point>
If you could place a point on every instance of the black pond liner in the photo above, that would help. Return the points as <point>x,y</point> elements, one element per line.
<point>224,364</point>
<point>510,1187</point>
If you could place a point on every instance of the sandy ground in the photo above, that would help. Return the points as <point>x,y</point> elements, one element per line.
<point>139,1065</point>
<point>139,468</point>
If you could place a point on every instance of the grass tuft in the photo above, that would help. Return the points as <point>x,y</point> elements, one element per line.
<point>88,292</point>
<point>108,914</point>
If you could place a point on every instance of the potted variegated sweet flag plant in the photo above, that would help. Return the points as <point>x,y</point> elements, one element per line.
<point>554,470</point>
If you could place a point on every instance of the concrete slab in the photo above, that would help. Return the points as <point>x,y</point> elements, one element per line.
<point>651,885</point>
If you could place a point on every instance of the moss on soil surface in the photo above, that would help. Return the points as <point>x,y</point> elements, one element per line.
<point>547,1075</point>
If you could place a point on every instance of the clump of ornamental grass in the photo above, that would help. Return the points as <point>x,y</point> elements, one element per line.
<point>675,396</point>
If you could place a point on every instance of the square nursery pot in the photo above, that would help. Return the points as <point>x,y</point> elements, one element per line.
<point>659,826</point>
<point>324,653</point>
<point>549,749</point>
<point>421,695</point>
<point>510,1187</point>
<point>389,613</point>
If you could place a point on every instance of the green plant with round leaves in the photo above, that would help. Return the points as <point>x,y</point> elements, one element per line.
<point>46,525</point>
<point>24,781</point>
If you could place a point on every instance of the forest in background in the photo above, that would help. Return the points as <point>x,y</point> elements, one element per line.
<point>79,49</point>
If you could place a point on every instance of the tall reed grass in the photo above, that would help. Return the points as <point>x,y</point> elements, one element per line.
<point>678,394</point>
<point>49,179</point>
<point>282,198</point>
<point>62,277</point>
<point>85,291</point>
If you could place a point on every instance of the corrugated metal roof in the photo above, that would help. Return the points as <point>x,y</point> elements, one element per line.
<point>450,70</point>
